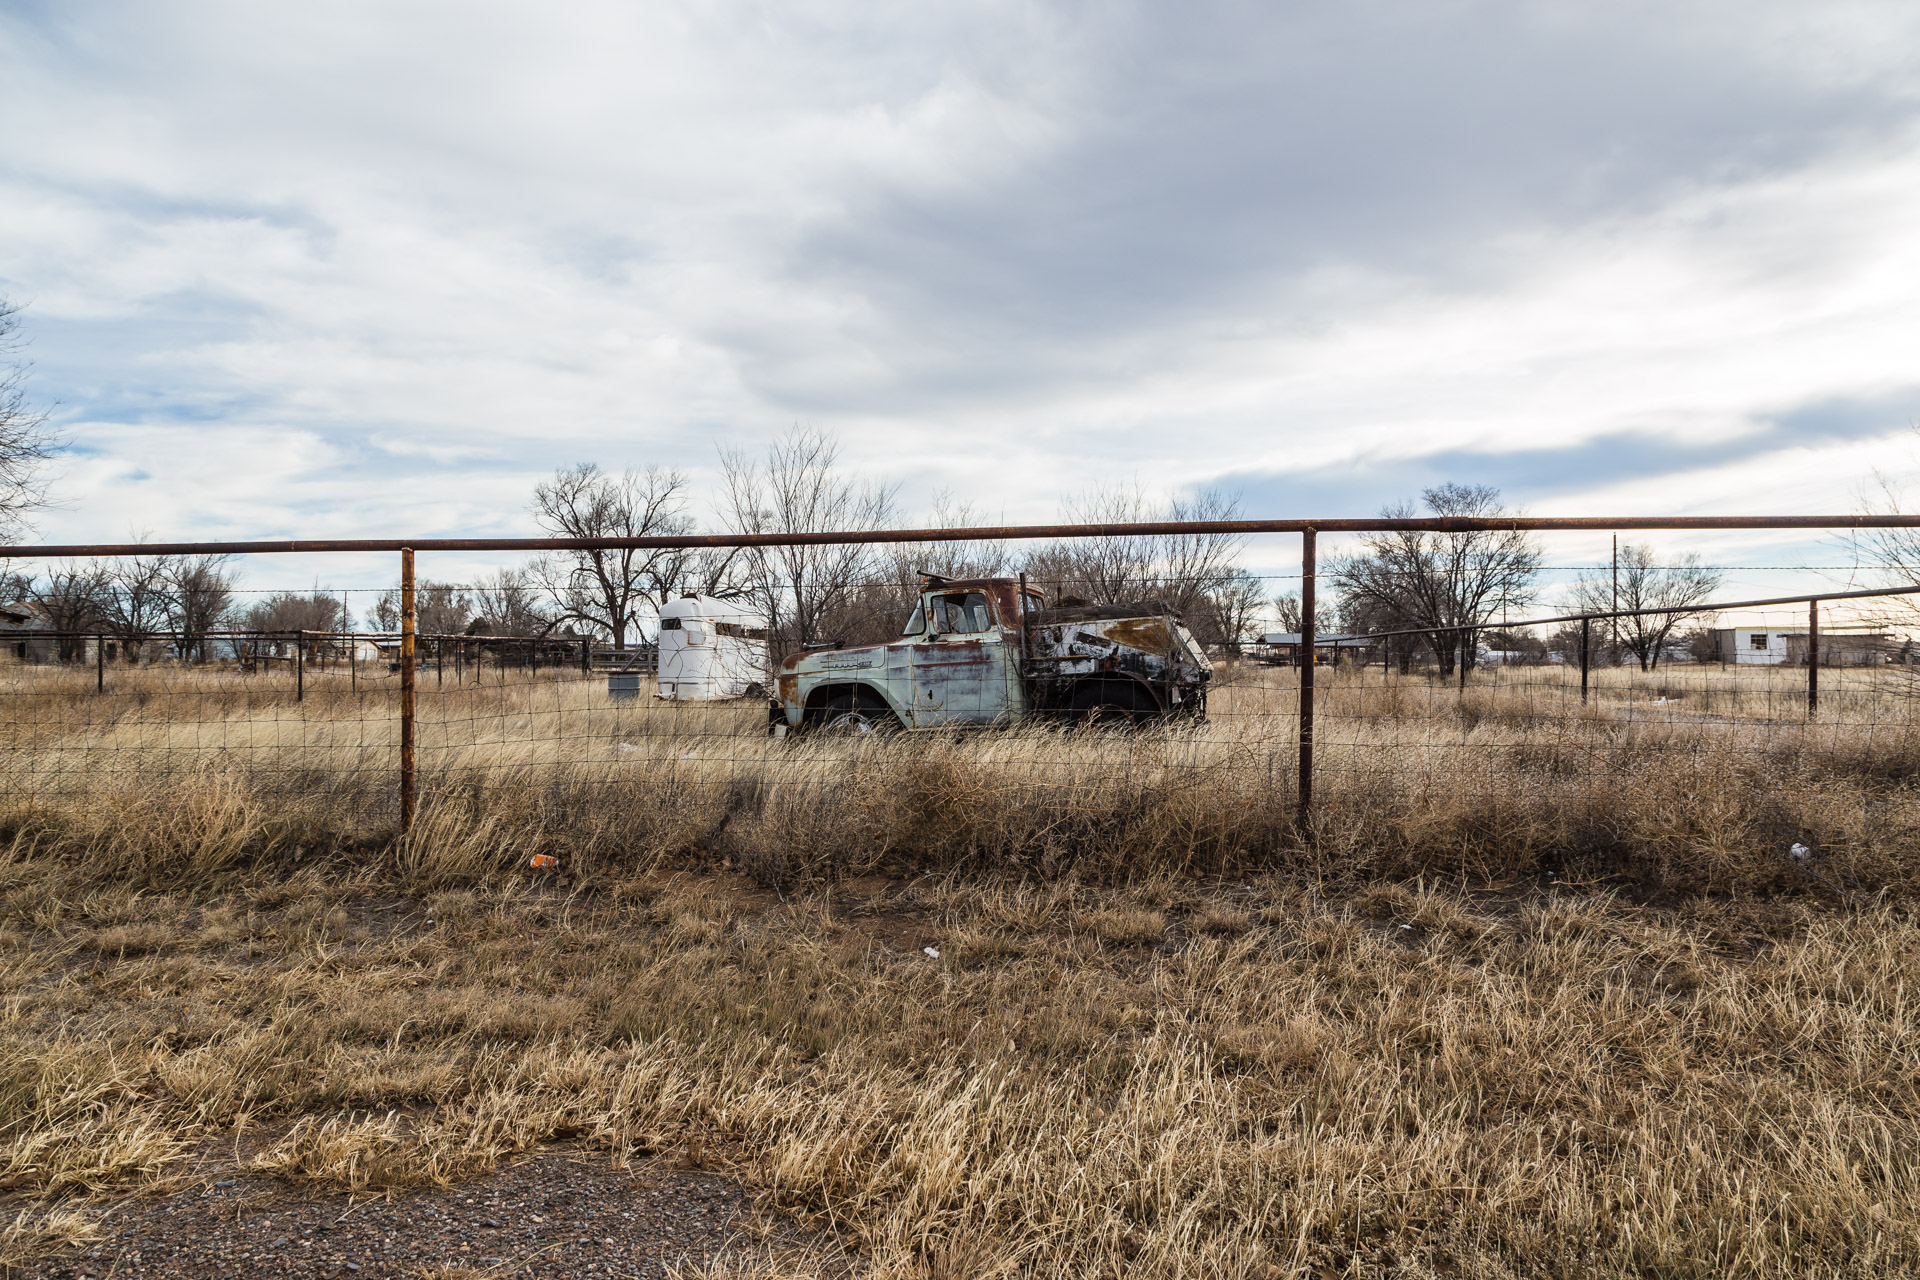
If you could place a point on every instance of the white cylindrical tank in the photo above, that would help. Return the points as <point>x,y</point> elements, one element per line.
<point>711,648</point>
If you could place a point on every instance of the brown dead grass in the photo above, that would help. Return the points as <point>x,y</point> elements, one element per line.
<point>1509,779</point>
<point>1273,1080</point>
<point>1165,1035</point>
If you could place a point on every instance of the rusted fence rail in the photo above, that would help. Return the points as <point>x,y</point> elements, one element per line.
<point>411,648</point>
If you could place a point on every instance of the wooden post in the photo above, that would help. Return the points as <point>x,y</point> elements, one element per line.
<point>1813,658</point>
<point>1307,638</point>
<point>408,796</point>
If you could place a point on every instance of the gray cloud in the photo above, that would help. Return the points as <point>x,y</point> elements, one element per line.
<point>1215,154</point>
<point>1009,248</point>
<point>1362,485</point>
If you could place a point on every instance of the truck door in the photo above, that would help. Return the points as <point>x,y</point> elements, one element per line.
<point>961,666</point>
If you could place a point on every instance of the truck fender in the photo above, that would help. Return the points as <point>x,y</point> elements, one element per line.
<point>821,695</point>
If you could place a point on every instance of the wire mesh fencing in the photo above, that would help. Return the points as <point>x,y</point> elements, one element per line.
<point>1006,714</point>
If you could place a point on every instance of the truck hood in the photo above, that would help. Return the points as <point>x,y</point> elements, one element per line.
<point>857,657</point>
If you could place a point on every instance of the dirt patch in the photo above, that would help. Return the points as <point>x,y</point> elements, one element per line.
<point>556,1213</point>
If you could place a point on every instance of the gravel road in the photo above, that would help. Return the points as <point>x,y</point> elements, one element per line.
<point>553,1214</point>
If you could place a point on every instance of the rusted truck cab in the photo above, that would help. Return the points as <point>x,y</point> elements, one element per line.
<point>988,651</point>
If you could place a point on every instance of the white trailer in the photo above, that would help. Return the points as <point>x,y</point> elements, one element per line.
<point>711,648</point>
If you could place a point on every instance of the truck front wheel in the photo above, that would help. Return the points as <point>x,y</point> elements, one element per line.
<point>852,713</point>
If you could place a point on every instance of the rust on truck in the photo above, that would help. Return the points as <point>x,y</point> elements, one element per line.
<point>989,651</point>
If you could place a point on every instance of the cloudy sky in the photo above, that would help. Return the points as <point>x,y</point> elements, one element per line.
<point>371,269</point>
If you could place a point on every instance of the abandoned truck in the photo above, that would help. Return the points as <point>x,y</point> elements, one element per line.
<point>989,651</point>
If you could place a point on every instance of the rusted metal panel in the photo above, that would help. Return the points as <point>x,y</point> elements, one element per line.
<point>1157,652</point>
<point>960,681</point>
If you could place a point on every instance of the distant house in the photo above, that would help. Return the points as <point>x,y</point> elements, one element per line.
<point>1757,646</point>
<point>20,627</point>
<point>27,635</point>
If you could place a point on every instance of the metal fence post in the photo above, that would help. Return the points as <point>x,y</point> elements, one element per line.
<point>1813,658</point>
<point>1586,640</point>
<point>99,664</point>
<point>299,672</point>
<point>408,795</point>
<point>1307,639</point>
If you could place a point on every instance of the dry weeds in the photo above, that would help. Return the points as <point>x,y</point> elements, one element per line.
<point>1164,1036</point>
<point>1674,783</point>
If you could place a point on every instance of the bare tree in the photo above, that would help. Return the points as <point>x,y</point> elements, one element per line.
<point>1230,613</point>
<point>1197,576</point>
<point>1325,620</point>
<point>200,598</point>
<point>294,612</point>
<point>25,442</point>
<point>1111,569</point>
<point>798,489</point>
<point>507,603</point>
<point>609,588</point>
<point>1455,581</point>
<point>73,595</point>
<point>1645,583</point>
<point>1891,555</point>
<point>439,609</point>
<point>874,609</point>
<point>136,604</point>
<point>907,560</point>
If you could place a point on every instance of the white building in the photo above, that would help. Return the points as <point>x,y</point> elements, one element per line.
<point>1753,646</point>
<point>1757,646</point>
<point>711,649</point>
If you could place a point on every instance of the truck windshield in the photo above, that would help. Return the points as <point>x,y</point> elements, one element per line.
<point>962,614</point>
<point>916,624</point>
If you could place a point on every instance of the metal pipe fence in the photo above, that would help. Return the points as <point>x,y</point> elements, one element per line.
<point>1398,715</point>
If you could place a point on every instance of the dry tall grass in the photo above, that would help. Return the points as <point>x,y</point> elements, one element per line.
<point>1166,1035</point>
<point>1700,780</point>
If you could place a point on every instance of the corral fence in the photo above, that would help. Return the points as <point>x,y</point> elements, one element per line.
<point>1382,716</point>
